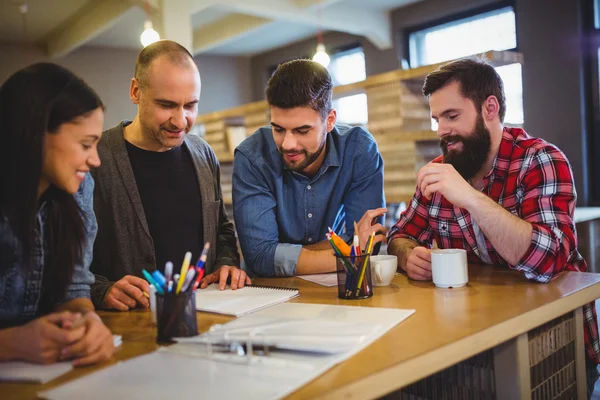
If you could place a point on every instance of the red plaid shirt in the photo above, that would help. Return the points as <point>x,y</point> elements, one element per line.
<point>533,180</point>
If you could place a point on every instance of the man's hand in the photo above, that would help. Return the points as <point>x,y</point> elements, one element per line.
<point>41,340</point>
<point>238,278</point>
<point>127,293</point>
<point>95,346</point>
<point>367,225</point>
<point>444,179</point>
<point>418,264</point>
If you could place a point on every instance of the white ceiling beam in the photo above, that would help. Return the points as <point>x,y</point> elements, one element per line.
<point>200,5</point>
<point>225,30</point>
<point>151,6</point>
<point>314,3</point>
<point>87,23</point>
<point>176,24</point>
<point>374,24</point>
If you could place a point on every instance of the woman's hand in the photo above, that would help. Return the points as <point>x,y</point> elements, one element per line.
<point>95,346</point>
<point>41,340</point>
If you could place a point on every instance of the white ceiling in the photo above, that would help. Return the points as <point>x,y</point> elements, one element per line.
<point>42,17</point>
<point>270,36</point>
<point>125,33</point>
<point>224,27</point>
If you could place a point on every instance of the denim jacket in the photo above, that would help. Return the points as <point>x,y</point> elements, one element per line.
<point>19,291</point>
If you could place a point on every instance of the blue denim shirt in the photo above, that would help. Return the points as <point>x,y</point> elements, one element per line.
<point>20,291</point>
<point>277,210</point>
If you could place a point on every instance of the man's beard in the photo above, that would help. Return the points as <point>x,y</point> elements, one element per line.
<point>309,158</point>
<point>475,149</point>
<point>160,137</point>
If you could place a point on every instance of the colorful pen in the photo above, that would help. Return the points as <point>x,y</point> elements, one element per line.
<point>188,279</point>
<point>198,278</point>
<point>151,280</point>
<point>184,269</point>
<point>168,270</point>
<point>159,278</point>
<point>203,255</point>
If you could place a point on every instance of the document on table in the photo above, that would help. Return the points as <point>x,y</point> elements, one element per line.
<point>268,376</point>
<point>328,280</point>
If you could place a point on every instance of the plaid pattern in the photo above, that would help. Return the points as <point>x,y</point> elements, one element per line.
<point>533,180</point>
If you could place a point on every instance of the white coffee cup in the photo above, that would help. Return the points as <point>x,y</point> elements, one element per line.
<point>449,268</point>
<point>383,269</point>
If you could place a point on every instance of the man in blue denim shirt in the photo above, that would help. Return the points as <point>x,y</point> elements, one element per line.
<point>20,294</point>
<point>304,174</point>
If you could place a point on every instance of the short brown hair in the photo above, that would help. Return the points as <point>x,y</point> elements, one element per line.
<point>177,54</point>
<point>301,83</point>
<point>477,77</point>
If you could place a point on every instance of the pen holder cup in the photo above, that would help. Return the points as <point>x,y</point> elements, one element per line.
<point>354,277</point>
<point>176,316</point>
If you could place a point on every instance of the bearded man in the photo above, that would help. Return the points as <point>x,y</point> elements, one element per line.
<point>304,174</point>
<point>506,198</point>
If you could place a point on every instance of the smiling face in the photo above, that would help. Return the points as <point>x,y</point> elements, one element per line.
<point>71,151</point>
<point>464,138</point>
<point>168,103</point>
<point>300,135</point>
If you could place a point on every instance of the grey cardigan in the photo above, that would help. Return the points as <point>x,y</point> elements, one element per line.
<point>123,245</point>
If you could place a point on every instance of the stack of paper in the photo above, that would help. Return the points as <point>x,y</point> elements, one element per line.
<point>175,370</point>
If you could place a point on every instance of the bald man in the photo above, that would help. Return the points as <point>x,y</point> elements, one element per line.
<point>158,192</point>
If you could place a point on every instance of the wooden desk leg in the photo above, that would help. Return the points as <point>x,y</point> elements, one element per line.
<point>511,369</point>
<point>580,355</point>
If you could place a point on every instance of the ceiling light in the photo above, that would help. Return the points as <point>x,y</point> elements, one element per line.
<point>149,35</point>
<point>321,55</point>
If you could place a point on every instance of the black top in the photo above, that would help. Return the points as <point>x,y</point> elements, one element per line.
<point>169,191</point>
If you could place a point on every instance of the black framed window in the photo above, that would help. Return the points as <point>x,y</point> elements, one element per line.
<point>591,49</point>
<point>475,32</point>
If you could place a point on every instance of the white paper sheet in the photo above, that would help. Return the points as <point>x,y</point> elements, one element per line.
<point>327,280</point>
<point>22,371</point>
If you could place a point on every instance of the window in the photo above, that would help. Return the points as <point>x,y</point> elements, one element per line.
<point>349,67</point>
<point>352,110</point>
<point>493,30</point>
<point>591,21</point>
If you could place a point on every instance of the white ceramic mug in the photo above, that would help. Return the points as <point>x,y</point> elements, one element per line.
<point>383,269</point>
<point>449,268</point>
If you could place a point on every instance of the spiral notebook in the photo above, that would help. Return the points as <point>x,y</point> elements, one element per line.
<point>243,301</point>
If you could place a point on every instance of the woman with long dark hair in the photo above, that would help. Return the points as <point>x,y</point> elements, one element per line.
<point>50,123</point>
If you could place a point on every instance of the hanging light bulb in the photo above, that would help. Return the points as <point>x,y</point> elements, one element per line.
<point>149,35</point>
<point>321,55</point>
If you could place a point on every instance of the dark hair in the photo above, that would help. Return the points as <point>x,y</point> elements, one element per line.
<point>176,53</point>
<point>301,83</point>
<point>478,80</point>
<point>33,101</point>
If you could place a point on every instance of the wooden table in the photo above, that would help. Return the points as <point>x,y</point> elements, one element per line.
<point>495,311</point>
